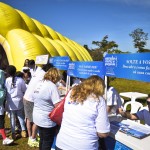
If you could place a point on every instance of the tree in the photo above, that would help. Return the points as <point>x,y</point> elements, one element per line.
<point>86,47</point>
<point>96,55</point>
<point>104,46</point>
<point>139,39</point>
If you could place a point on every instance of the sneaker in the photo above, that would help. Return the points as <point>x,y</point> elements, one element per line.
<point>38,139</point>
<point>33,143</point>
<point>7,141</point>
<point>24,134</point>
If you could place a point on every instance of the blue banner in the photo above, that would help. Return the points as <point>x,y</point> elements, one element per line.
<point>129,66</point>
<point>86,69</point>
<point>60,62</point>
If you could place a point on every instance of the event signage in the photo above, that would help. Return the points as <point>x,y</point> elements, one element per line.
<point>41,59</point>
<point>60,62</point>
<point>129,66</point>
<point>85,69</point>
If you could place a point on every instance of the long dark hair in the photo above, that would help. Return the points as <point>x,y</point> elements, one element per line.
<point>11,71</point>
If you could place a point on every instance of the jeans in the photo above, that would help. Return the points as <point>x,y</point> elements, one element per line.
<point>20,115</point>
<point>46,137</point>
<point>2,121</point>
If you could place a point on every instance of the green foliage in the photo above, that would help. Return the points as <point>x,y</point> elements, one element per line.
<point>86,47</point>
<point>96,54</point>
<point>139,39</point>
<point>144,50</point>
<point>105,45</point>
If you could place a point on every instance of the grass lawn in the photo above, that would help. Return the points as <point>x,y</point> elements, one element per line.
<point>19,144</point>
<point>122,85</point>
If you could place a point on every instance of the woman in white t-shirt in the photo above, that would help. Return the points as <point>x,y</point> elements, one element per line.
<point>45,98</point>
<point>85,117</point>
<point>16,88</point>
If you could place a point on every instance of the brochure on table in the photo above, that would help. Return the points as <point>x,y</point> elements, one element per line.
<point>135,130</point>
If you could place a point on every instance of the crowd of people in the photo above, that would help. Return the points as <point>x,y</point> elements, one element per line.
<point>33,92</point>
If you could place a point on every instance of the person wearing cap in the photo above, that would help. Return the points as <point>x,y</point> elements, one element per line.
<point>142,115</point>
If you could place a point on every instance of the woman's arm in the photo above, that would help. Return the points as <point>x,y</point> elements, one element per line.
<point>102,121</point>
<point>103,135</point>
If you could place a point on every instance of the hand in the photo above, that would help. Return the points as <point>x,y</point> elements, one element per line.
<point>123,114</point>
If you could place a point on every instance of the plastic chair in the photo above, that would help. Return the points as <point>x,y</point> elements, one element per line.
<point>135,106</point>
<point>122,101</point>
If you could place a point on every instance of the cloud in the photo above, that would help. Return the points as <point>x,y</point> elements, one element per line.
<point>126,2</point>
<point>129,2</point>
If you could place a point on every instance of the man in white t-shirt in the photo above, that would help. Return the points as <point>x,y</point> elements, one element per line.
<point>114,104</point>
<point>143,115</point>
<point>33,68</point>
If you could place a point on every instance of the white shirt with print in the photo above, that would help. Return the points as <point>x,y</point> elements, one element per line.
<point>15,93</point>
<point>80,124</point>
<point>38,76</point>
<point>45,96</point>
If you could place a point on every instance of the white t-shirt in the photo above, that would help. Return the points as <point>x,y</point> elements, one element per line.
<point>114,100</point>
<point>144,115</point>
<point>15,94</point>
<point>34,70</point>
<point>45,96</point>
<point>80,124</point>
<point>38,76</point>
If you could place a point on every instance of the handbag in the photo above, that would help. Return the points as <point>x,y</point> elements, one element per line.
<point>56,114</point>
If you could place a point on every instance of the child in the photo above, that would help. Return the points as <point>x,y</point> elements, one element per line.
<point>15,87</point>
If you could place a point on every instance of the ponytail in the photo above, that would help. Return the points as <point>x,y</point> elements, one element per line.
<point>11,71</point>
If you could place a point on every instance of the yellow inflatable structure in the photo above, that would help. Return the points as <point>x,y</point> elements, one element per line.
<point>22,37</point>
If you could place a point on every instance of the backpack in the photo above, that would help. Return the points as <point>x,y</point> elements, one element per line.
<point>2,87</point>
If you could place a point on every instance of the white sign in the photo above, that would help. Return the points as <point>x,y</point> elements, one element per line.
<point>42,59</point>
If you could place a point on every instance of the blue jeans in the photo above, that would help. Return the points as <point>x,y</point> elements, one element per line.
<point>20,115</point>
<point>46,137</point>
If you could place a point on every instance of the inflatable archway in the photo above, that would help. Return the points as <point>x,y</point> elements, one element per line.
<point>22,37</point>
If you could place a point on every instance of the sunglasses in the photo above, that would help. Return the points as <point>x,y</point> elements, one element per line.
<point>148,102</point>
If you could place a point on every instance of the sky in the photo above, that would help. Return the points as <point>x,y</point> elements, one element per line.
<point>85,21</point>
